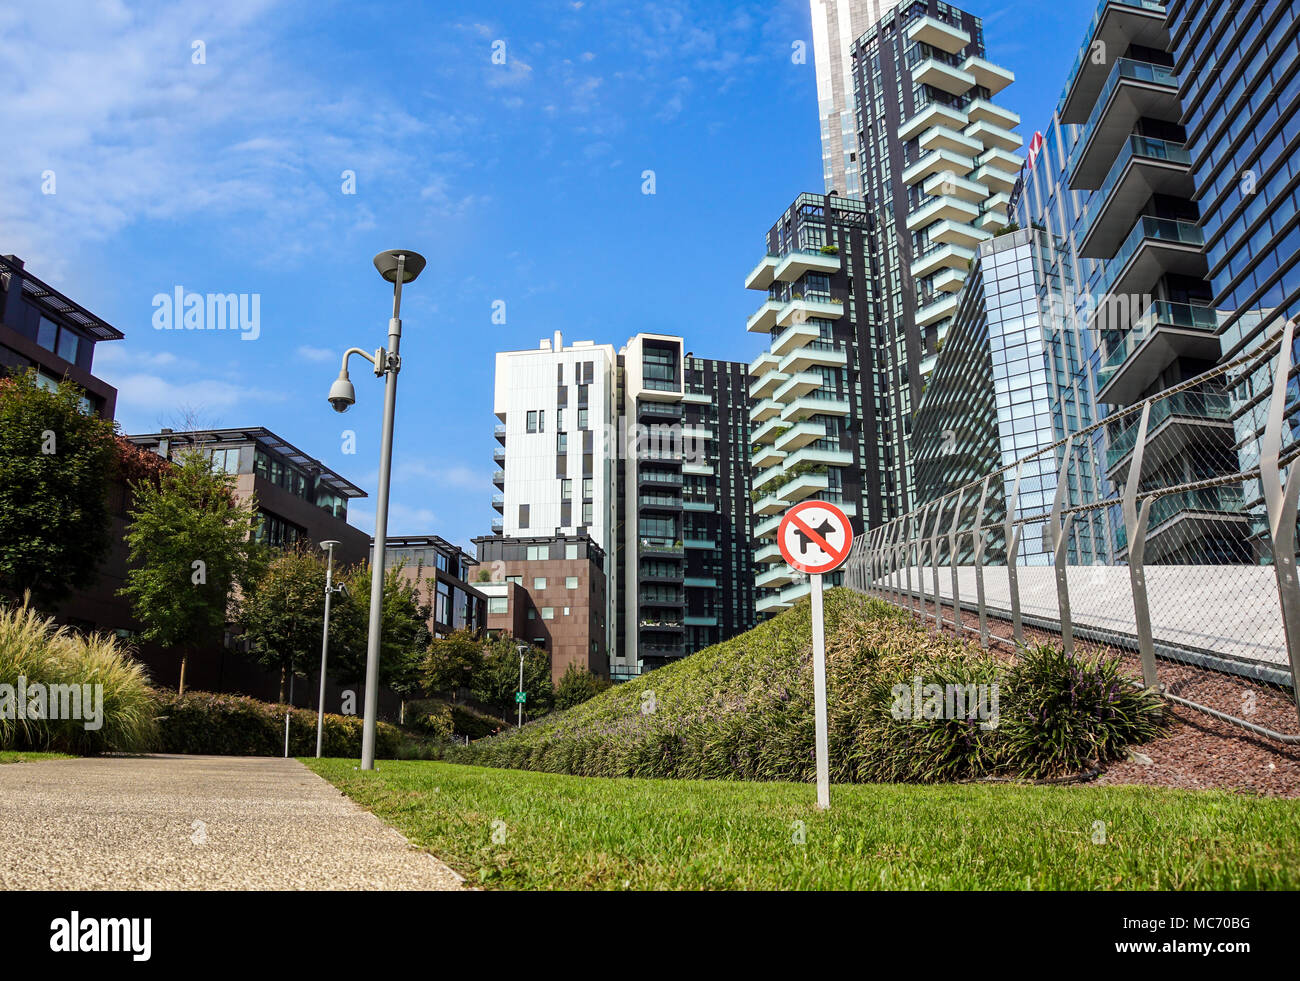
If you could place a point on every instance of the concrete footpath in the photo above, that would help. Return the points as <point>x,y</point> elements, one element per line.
<point>196,822</point>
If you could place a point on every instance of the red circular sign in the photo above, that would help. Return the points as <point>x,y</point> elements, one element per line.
<point>815,537</point>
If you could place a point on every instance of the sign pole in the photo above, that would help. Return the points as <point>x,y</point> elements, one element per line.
<point>819,695</point>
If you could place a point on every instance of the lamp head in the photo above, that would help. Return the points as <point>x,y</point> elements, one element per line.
<point>342,394</point>
<point>328,544</point>
<point>386,263</point>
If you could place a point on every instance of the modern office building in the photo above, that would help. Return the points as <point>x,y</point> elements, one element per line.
<point>548,592</point>
<point>41,328</point>
<point>441,574</point>
<point>647,428</point>
<point>836,24</point>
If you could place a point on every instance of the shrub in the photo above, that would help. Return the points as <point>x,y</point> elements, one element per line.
<point>1065,712</point>
<point>577,686</point>
<point>233,725</point>
<point>33,648</point>
<point>465,720</point>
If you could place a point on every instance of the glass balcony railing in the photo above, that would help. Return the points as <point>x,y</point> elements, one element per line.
<point>661,545</point>
<point>1147,229</point>
<point>1085,49</point>
<point>1228,500</point>
<point>1137,146</point>
<point>1126,69</point>
<point>1184,316</point>
<point>1197,405</point>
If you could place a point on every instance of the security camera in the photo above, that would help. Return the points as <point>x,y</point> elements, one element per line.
<point>342,394</point>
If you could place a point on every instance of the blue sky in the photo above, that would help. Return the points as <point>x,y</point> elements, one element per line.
<point>520,182</point>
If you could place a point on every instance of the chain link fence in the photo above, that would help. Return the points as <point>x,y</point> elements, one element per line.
<point>1190,556</point>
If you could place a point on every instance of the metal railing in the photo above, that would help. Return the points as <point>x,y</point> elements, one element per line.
<point>1190,555</point>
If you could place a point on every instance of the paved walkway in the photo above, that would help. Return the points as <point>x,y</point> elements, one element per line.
<point>196,822</point>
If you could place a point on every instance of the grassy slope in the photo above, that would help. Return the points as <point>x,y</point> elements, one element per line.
<point>564,832</point>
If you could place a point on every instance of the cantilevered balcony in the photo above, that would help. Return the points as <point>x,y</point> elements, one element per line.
<point>1116,24</point>
<point>801,308</point>
<point>993,77</point>
<point>945,306</point>
<point>943,138</point>
<point>762,275</point>
<point>768,526</point>
<point>935,114</point>
<point>770,504</point>
<point>1134,90</point>
<point>818,403</point>
<point>1154,247</point>
<point>499,431</point>
<point>798,385</point>
<point>765,455</point>
<point>941,257</point>
<point>765,362</point>
<point>1145,167</point>
<point>499,478</point>
<point>774,578</point>
<point>1165,332</point>
<point>820,455</point>
<point>771,552</point>
<point>800,262</point>
<point>795,337</point>
<point>1185,528</point>
<point>1187,422</point>
<point>764,318</point>
<point>982,110</point>
<point>957,187</point>
<point>947,78</point>
<point>764,385</point>
<point>949,281</point>
<point>939,209</point>
<point>938,162</point>
<point>800,435</point>
<point>938,34</point>
<point>959,233</point>
<point>994,213</point>
<point>818,353</point>
<point>804,485</point>
<point>499,502</point>
<point>767,416</point>
<point>499,457</point>
<point>765,477</point>
<point>771,603</point>
<point>990,135</point>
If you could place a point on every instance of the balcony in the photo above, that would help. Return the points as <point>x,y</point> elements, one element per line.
<point>818,353</point>
<point>701,582</point>
<point>991,135</point>
<point>766,456</point>
<point>945,77</point>
<point>767,383</point>
<point>767,433</point>
<point>647,477</point>
<point>771,552</point>
<point>498,526</point>
<point>1181,524</point>
<point>764,319</point>
<point>798,385</point>
<point>499,502</point>
<point>702,620</point>
<point>661,411</point>
<point>799,262</point>
<point>774,578</point>
<point>1155,247</point>
<point>958,233</point>
<point>943,138</point>
<point>934,114</point>
<point>499,457</point>
<point>993,77</point>
<point>949,281</point>
<point>937,34</point>
<point>698,469</point>
<point>800,308</point>
<point>764,477</point>
<point>1135,89</point>
<point>766,410</point>
<point>771,603</point>
<point>660,502</point>
<point>800,435</point>
<point>668,624</point>
<point>499,431</point>
<point>942,208</point>
<point>957,187</point>
<point>660,546</point>
<point>700,505</point>
<point>762,275</point>
<point>939,310</point>
<point>499,478</point>
<point>820,456</point>
<point>767,527</point>
<point>661,650</point>
<point>797,336</point>
<point>818,403</point>
<point>700,544</point>
<point>942,257</point>
<point>770,504</point>
<point>1145,167</point>
<point>761,365</point>
<point>1166,331</point>
<point>938,162</point>
<point>1178,423</point>
<point>804,485</point>
<point>984,111</point>
<point>1116,24</point>
<point>661,598</point>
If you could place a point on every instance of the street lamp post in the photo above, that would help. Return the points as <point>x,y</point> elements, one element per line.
<point>397,266</point>
<point>330,589</point>
<point>523,649</point>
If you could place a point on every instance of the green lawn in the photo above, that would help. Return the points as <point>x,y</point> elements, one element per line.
<point>13,756</point>
<point>562,832</point>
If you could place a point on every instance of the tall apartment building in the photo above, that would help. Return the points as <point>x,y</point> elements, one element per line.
<point>655,428</point>
<point>41,328</point>
<point>836,24</point>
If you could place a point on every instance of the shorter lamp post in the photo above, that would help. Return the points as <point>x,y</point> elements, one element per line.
<point>330,589</point>
<point>523,649</point>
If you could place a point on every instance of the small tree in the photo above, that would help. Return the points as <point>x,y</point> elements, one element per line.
<point>498,680</point>
<point>55,463</point>
<point>577,685</point>
<point>404,630</point>
<point>190,547</point>
<point>283,610</point>
<point>451,663</point>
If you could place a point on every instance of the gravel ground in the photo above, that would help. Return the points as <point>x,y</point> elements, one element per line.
<point>196,822</point>
<point>1200,752</point>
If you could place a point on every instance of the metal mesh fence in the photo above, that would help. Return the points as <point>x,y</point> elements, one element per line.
<point>1190,555</point>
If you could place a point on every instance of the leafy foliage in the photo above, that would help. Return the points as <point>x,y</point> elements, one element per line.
<point>451,662</point>
<point>282,612</point>
<point>55,464</point>
<point>404,636</point>
<point>577,686</point>
<point>496,682</point>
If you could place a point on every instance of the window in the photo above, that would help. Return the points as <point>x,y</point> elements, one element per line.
<point>47,335</point>
<point>498,604</point>
<point>586,513</point>
<point>532,420</point>
<point>586,487</point>
<point>561,442</point>
<point>226,461</point>
<point>571,551</point>
<point>559,419</point>
<point>539,582</point>
<point>538,553</point>
<point>532,614</point>
<point>548,613</point>
<point>523,516</point>
<point>582,418</point>
<point>570,582</point>
<point>517,580</point>
<point>541,420</point>
<point>566,488</point>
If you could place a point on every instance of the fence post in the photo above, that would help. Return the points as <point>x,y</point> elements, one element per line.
<point>978,544</point>
<point>1058,532</point>
<point>1135,522</point>
<point>1281,504</point>
<point>1013,554</point>
<point>920,564</point>
<point>934,564</point>
<point>952,565</point>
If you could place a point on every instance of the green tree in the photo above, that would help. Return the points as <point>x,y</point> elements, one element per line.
<point>451,663</point>
<point>283,612</point>
<point>577,685</point>
<point>190,548</point>
<point>497,681</point>
<point>404,632</point>
<point>55,463</point>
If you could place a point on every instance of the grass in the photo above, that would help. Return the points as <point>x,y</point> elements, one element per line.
<point>11,756</point>
<point>566,832</point>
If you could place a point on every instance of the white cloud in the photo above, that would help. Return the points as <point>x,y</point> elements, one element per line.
<point>309,353</point>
